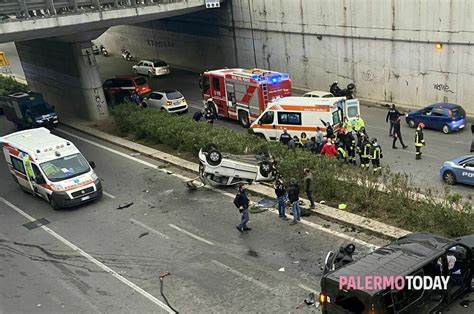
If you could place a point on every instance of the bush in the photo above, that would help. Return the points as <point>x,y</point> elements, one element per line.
<point>334,182</point>
<point>9,86</point>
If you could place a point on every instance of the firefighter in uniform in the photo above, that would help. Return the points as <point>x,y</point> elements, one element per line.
<point>375,155</point>
<point>351,147</point>
<point>365,152</point>
<point>341,152</point>
<point>419,140</point>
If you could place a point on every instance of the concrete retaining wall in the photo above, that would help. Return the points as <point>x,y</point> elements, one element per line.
<point>387,47</point>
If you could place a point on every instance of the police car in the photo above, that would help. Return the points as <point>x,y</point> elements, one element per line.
<point>460,169</point>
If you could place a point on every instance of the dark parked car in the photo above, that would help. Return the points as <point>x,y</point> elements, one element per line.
<point>120,88</point>
<point>417,254</point>
<point>442,116</point>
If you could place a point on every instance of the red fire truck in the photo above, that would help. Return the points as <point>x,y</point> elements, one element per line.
<point>241,94</point>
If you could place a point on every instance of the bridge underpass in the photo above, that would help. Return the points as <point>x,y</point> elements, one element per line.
<point>53,40</point>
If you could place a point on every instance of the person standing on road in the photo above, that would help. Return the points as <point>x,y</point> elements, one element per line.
<point>359,124</point>
<point>397,134</point>
<point>392,115</point>
<point>209,116</point>
<point>285,137</point>
<point>375,155</point>
<point>280,193</point>
<point>293,197</point>
<point>241,201</point>
<point>419,140</point>
<point>308,186</point>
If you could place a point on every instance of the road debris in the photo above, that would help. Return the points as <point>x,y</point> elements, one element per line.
<point>143,234</point>
<point>296,262</point>
<point>322,202</point>
<point>146,191</point>
<point>342,206</point>
<point>282,269</point>
<point>125,206</point>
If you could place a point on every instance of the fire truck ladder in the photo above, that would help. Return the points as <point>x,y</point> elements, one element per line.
<point>265,93</point>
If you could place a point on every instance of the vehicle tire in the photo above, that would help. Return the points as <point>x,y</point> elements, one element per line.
<point>150,75</point>
<point>260,135</point>
<point>208,147</point>
<point>135,71</point>
<point>53,204</point>
<point>446,129</point>
<point>265,168</point>
<point>144,104</point>
<point>244,119</point>
<point>449,177</point>
<point>411,123</point>
<point>214,157</point>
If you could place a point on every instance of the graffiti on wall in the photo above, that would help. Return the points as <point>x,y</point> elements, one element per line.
<point>100,103</point>
<point>368,76</point>
<point>442,87</point>
<point>161,43</point>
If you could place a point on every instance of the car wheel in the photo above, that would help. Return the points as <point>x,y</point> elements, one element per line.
<point>214,157</point>
<point>449,177</point>
<point>261,136</point>
<point>244,119</point>
<point>446,129</point>
<point>411,123</point>
<point>150,75</point>
<point>144,104</point>
<point>265,168</point>
<point>53,204</point>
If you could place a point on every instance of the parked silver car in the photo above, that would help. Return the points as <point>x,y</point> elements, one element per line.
<point>168,100</point>
<point>152,68</point>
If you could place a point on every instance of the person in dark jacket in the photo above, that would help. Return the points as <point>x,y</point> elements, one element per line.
<point>329,131</point>
<point>197,116</point>
<point>419,140</point>
<point>392,115</point>
<point>280,193</point>
<point>308,186</point>
<point>397,134</point>
<point>285,137</point>
<point>241,201</point>
<point>209,115</point>
<point>293,197</point>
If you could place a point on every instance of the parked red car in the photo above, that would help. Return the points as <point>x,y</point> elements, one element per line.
<point>120,88</point>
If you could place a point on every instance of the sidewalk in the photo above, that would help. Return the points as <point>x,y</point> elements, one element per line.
<point>327,212</point>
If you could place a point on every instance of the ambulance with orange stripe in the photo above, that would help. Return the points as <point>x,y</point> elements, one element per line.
<point>303,114</point>
<point>50,167</point>
<point>242,94</point>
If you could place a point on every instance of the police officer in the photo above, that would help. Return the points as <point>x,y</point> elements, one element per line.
<point>242,202</point>
<point>285,137</point>
<point>392,115</point>
<point>375,155</point>
<point>419,140</point>
<point>366,147</point>
<point>351,147</point>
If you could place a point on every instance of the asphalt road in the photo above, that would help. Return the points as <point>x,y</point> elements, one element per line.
<point>190,234</point>
<point>92,258</point>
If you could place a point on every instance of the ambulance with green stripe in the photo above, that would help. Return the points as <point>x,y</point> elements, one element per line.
<point>50,167</point>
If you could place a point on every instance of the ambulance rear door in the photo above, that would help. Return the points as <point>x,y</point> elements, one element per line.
<point>351,109</point>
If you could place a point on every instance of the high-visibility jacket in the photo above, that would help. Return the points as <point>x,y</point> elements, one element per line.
<point>359,124</point>
<point>366,147</point>
<point>419,138</point>
<point>341,153</point>
<point>28,167</point>
<point>348,126</point>
<point>376,152</point>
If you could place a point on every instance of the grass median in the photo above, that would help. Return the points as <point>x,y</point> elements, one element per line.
<point>335,182</point>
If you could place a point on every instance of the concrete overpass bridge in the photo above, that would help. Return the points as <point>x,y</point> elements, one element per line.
<point>53,39</point>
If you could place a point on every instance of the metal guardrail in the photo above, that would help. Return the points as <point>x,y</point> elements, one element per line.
<point>27,9</point>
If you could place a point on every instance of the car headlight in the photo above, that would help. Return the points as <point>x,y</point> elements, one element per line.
<point>39,121</point>
<point>94,176</point>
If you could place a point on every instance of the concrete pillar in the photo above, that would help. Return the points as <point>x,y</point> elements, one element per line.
<point>91,84</point>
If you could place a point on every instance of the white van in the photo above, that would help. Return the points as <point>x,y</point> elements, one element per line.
<point>303,114</point>
<point>50,167</point>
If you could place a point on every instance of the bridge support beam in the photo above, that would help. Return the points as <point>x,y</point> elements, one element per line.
<point>66,74</point>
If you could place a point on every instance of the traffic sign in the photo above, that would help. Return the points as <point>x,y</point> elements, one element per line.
<point>3,60</point>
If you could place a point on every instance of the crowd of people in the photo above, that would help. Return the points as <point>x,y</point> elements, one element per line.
<point>344,142</point>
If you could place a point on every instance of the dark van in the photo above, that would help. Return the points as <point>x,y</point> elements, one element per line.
<point>418,254</point>
<point>28,110</point>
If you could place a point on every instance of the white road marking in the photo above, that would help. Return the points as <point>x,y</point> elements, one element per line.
<point>109,195</point>
<point>148,164</point>
<point>244,276</point>
<point>91,259</point>
<point>192,235</point>
<point>316,292</point>
<point>149,228</point>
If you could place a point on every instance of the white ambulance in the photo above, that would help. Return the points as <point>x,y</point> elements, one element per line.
<point>303,114</point>
<point>50,167</point>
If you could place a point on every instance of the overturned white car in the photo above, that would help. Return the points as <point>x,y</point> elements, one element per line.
<point>217,168</point>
